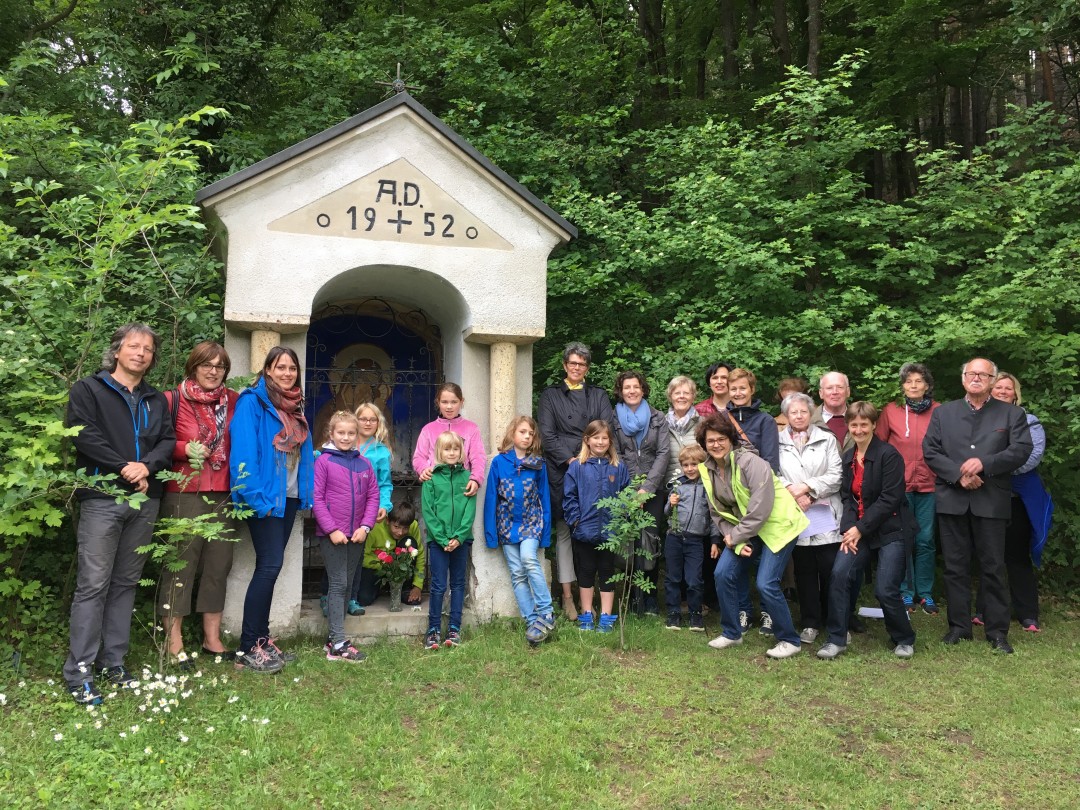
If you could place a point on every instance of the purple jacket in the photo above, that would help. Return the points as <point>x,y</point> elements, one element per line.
<point>346,492</point>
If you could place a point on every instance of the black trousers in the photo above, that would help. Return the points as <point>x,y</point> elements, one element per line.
<point>1023,585</point>
<point>813,568</point>
<point>964,537</point>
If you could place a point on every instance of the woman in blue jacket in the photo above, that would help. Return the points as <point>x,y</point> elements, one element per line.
<point>271,471</point>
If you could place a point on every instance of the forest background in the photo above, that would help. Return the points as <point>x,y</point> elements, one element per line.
<point>788,185</point>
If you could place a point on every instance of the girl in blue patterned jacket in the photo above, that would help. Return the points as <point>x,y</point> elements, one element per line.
<point>594,475</point>
<point>517,519</point>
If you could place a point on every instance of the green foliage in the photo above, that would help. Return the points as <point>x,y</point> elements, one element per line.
<point>627,520</point>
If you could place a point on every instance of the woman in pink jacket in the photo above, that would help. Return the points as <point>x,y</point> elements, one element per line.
<point>449,400</point>
<point>903,425</point>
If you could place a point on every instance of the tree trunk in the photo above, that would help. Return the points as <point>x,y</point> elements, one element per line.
<point>813,36</point>
<point>780,32</point>
<point>729,38</point>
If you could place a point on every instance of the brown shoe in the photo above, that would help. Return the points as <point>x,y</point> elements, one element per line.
<point>568,608</point>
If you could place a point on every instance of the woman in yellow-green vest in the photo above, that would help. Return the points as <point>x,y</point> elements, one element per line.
<point>758,519</point>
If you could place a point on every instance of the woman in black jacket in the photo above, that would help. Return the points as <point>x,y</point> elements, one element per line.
<point>875,517</point>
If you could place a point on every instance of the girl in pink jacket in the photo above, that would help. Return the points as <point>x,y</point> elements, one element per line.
<point>449,400</point>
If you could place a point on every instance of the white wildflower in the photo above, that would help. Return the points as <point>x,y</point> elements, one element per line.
<point>58,736</point>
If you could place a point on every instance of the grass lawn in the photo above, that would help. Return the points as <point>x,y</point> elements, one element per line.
<point>577,723</point>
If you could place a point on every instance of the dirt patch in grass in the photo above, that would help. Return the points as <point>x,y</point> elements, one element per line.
<point>628,659</point>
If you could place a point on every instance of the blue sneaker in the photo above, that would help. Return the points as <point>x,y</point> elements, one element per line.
<point>909,603</point>
<point>540,629</point>
<point>355,608</point>
<point>607,622</point>
<point>929,606</point>
<point>86,694</point>
<point>585,620</point>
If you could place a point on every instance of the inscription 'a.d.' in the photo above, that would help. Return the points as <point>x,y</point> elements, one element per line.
<point>395,203</point>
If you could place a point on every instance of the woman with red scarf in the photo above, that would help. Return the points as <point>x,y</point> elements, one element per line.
<point>271,468</point>
<point>202,408</point>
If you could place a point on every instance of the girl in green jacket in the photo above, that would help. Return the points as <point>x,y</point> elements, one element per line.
<point>448,516</point>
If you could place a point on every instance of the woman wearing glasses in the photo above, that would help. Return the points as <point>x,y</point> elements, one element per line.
<point>202,408</point>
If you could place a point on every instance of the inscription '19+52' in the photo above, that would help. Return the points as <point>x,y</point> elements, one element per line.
<point>406,214</point>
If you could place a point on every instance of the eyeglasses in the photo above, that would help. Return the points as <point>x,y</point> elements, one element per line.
<point>576,364</point>
<point>211,366</point>
<point>716,442</point>
<point>367,419</point>
<point>977,375</point>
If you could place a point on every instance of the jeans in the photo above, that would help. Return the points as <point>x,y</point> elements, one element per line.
<point>732,569</point>
<point>341,564</point>
<point>683,556</point>
<point>527,579</point>
<point>892,559</point>
<point>443,565</point>
<point>108,575</point>
<point>919,582</point>
<point>269,536</point>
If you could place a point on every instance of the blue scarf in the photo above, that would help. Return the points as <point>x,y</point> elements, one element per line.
<point>634,423</point>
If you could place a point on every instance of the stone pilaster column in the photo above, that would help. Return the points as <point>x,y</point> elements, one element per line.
<point>262,341</point>
<point>503,389</point>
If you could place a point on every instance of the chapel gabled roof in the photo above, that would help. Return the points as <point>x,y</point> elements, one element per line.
<point>372,114</point>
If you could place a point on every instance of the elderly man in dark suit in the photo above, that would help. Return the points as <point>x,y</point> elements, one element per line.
<point>972,445</point>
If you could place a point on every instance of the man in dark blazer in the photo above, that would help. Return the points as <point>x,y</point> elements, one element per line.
<point>973,445</point>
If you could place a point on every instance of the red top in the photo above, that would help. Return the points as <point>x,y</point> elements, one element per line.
<point>187,429</point>
<point>857,469</point>
<point>904,429</point>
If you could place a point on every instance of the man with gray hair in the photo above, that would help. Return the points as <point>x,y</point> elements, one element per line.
<point>126,431</point>
<point>834,390</point>
<point>972,446</point>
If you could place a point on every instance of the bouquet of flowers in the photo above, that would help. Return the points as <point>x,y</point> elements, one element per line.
<point>396,564</point>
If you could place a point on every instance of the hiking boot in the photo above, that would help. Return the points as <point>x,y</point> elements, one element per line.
<point>258,659</point>
<point>607,622</point>
<point>433,640</point>
<point>674,621</point>
<point>119,676</point>
<point>585,620</point>
<point>355,608</point>
<point>453,638</point>
<point>86,694</point>
<point>697,624</point>
<point>766,624</point>
<point>344,651</point>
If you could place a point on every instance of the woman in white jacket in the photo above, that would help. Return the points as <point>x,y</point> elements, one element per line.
<point>810,468</point>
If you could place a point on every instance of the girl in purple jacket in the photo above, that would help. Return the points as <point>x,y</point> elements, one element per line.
<point>346,506</point>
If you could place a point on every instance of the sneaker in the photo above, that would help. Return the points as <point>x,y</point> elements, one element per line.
<point>258,659</point>
<point>355,608</point>
<point>697,624</point>
<point>584,621</point>
<point>674,621</point>
<point>808,635</point>
<point>433,640</point>
<point>785,649</point>
<point>766,624</point>
<point>607,622</point>
<point>1031,625</point>
<point>929,606</point>
<point>977,619</point>
<point>324,606</point>
<point>830,651</point>
<point>540,629</point>
<point>720,642</point>
<point>909,603</point>
<point>118,676</point>
<point>344,651</point>
<point>744,621</point>
<point>285,657</point>
<point>652,607</point>
<point>86,694</point>
<point>453,638</point>
<point>904,651</point>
